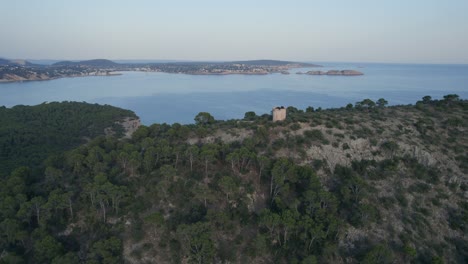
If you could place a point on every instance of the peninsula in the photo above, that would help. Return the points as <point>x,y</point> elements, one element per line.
<point>21,70</point>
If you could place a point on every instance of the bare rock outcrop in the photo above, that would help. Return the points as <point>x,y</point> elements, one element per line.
<point>422,156</point>
<point>130,125</point>
<point>358,149</point>
<point>316,73</point>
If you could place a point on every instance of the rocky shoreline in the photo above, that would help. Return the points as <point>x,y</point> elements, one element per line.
<point>8,78</point>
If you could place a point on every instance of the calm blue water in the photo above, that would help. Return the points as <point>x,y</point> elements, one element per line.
<point>170,98</point>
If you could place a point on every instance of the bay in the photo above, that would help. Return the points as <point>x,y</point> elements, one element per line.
<point>171,98</point>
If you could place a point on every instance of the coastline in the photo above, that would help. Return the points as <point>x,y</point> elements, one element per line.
<point>102,67</point>
<point>117,73</point>
<point>4,81</point>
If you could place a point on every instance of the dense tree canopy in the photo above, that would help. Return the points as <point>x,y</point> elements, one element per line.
<point>30,134</point>
<point>172,193</point>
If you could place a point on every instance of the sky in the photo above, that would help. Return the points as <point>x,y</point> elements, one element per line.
<point>394,31</point>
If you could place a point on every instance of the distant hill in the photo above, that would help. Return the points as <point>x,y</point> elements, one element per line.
<point>4,62</point>
<point>15,62</point>
<point>274,63</point>
<point>22,62</point>
<point>64,63</point>
<point>92,63</point>
<point>109,63</point>
<point>43,62</point>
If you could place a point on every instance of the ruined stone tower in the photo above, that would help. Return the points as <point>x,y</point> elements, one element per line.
<point>279,113</point>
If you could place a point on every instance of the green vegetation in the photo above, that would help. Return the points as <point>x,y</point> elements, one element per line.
<point>359,184</point>
<point>30,134</point>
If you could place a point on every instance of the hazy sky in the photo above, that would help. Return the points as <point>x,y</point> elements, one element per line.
<point>421,31</point>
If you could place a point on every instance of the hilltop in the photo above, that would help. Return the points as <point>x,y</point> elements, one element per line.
<point>99,63</point>
<point>4,62</point>
<point>364,183</point>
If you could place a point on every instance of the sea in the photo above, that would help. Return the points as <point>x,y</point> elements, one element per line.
<point>178,98</point>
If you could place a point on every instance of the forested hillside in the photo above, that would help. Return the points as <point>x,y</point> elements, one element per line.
<point>362,184</point>
<point>30,134</point>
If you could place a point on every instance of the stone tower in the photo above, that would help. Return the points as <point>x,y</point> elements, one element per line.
<point>279,113</point>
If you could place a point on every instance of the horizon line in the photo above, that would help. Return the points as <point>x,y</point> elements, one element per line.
<point>231,60</point>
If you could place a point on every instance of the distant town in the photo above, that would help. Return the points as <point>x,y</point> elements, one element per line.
<point>21,70</point>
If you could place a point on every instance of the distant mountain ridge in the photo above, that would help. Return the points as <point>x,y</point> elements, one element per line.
<point>110,63</point>
<point>107,63</point>
<point>16,62</point>
<point>92,63</point>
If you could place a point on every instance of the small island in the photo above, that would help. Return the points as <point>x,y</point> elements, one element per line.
<point>334,73</point>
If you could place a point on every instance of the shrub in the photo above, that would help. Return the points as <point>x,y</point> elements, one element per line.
<point>339,135</point>
<point>379,254</point>
<point>295,127</point>
<point>317,164</point>
<point>363,132</point>
<point>314,134</point>
<point>278,144</point>
<point>401,198</point>
<point>419,187</point>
